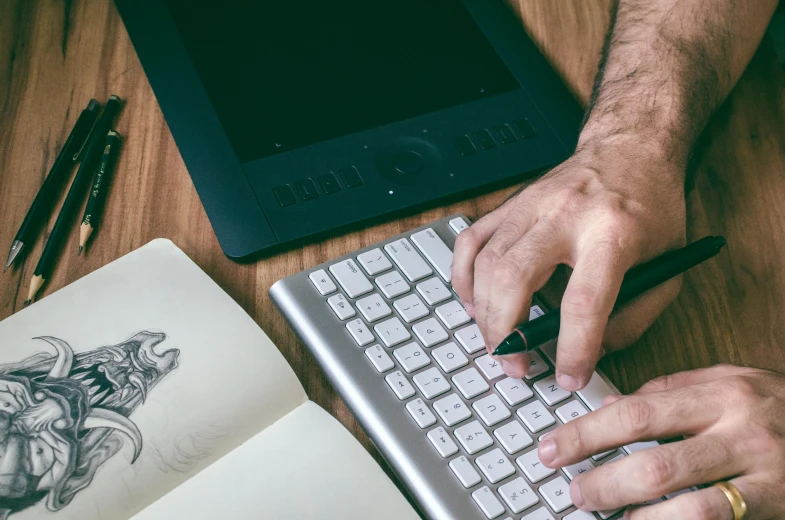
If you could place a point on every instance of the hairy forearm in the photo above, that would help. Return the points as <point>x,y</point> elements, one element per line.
<point>666,66</point>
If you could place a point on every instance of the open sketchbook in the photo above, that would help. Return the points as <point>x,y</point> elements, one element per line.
<point>143,391</point>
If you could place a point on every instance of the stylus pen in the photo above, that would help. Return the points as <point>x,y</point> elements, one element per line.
<point>44,200</point>
<point>527,336</point>
<point>74,198</point>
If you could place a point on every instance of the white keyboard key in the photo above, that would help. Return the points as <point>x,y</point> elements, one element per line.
<point>537,367</point>
<point>465,472</point>
<point>535,416</point>
<point>514,391</point>
<point>359,332</point>
<point>602,455</point>
<point>341,306</point>
<point>373,307</point>
<point>380,359</point>
<point>518,495</point>
<point>575,515</point>
<point>489,504</point>
<point>435,251</point>
<point>442,441</point>
<point>351,278</point>
<point>458,224</point>
<point>513,437</point>
<point>412,357</point>
<point>470,339</point>
<point>450,357</point>
<point>640,446</point>
<point>408,260</point>
<point>549,350</point>
<point>452,314</point>
<point>571,411</point>
<point>322,281</point>
<point>615,459</point>
<point>470,383</point>
<point>392,284</point>
<point>473,437</point>
<point>490,367</point>
<point>495,466</point>
<point>535,312</point>
<point>410,308</point>
<point>577,469</point>
<point>609,513</point>
<point>374,261</point>
<point>534,470</point>
<point>431,383</point>
<point>595,392</point>
<point>433,290</point>
<point>392,332</point>
<point>430,332</point>
<point>543,514</point>
<point>452,409</point>
<point>557,494</point>
<point>420,412</point>
<point>491,410</point>
<point>400,385</point>
<point>550,391</point>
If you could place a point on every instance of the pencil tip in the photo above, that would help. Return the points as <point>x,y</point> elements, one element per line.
<point>27,302</point>
<point>80,251</point>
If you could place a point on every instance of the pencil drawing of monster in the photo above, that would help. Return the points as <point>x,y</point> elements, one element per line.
<point>63,415</point>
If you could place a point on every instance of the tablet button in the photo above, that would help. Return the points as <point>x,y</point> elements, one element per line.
<point>351,177</point>
<point>525,128</point>
<point>464,145</point>
<point>408,162</point>
<point>329,183</point>
<point>284,195</point>
<point>307,189</point>
<point>505,134</point>
<point>485,139</point>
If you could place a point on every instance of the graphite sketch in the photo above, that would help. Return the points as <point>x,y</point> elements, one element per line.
<point>63,415</point>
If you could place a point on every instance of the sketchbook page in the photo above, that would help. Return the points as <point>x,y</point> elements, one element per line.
<point>305,466</point>
<point>144,373</point>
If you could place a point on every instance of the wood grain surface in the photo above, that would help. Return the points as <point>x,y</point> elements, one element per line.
<point>55,55</point>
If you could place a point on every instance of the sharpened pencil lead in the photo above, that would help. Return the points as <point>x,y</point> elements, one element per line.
<point>80,251</point>
<point>27,302</point>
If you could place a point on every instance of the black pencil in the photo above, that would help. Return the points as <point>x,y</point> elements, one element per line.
<point>74,198</point>
<point>527,336</point>
<point>95,202</point>
<point>44,200</point>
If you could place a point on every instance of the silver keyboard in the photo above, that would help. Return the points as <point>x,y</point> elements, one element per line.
<point>396,343</point>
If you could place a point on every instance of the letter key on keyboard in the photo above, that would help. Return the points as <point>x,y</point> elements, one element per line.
<point>491,410</point>
<point>470,383</point>
<point>351,278</point>
<point>490,367</point>
<point>513,437</point>
<point>450,357</point>
<point>557,494</point>
<point>513,390</point>
<point>570,411</point>
<point>550,391</point>
<point>535,416</point>
<point>534,470</point>
<point>470,339</point>
<point>430,332</point>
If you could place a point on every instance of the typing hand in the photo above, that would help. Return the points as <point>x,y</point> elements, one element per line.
<point>599,213</point>
<point>734,425</point>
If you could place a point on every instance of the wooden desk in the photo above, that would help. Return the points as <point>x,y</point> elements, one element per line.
<point>55,56</point>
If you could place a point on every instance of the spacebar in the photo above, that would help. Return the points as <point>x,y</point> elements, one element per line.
<point>435,250</point>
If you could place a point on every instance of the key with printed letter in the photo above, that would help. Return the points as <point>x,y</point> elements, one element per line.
<point>513,437</point>
<point>514,391</point>
<point>470,383</point>
<point>430,332</point>
<point>450,357</point>
<point>470,339</point>
<point>557,494</point>
<point>550,391</point>
<point>535,416</point>
<point>534,470</point>
<point>491,410</point>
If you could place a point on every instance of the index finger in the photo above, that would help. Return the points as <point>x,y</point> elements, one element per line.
<point>632,419</point>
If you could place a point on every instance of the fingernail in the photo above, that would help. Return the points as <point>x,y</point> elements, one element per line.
<point>575,493</point>
<point>568,382</point>
<point>547,451</point>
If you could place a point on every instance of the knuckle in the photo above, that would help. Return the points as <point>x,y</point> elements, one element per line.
<point>741,391</point>
<point>636,414</point>
<point>655,471</point>
<point>486,259</point>
<point>658,384</point>
<point>701,507</point>
<point>582,299</point>
<point>507,273</point>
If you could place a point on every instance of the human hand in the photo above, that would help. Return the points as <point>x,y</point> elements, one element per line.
<point>600,212</point>
<point>733,421</point>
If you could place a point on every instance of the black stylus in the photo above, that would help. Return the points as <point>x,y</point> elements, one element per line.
<point>527,336</point>
<point>44,200</point>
